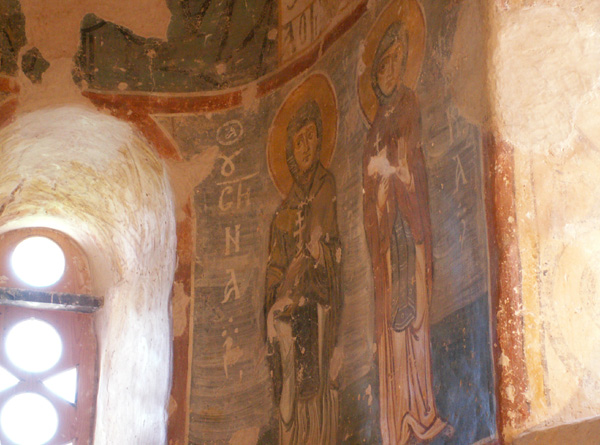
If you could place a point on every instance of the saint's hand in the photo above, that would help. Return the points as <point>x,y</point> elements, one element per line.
<point>402,170</point>
<point>314,245</point>
<point>380,165</point>
<point>293,274</point>
<point>281,305</point>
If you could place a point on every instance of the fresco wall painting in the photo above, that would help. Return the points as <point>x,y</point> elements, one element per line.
<point>238,378</point>
<point>303,298</point>
<point>398,229</point>
<point>333,283</point>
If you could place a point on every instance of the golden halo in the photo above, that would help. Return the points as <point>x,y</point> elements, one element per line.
<point>410,13</point>
<point>316,87</point>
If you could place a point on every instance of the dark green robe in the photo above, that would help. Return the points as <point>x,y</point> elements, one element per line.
<point>318,282</point>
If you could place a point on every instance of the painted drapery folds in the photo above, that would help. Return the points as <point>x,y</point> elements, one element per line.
<point>303,299</point>
<point>332,283</point>
<point>398,229</point>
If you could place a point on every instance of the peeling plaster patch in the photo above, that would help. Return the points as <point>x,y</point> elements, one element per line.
<point>249,97</point>
<point>369,395</point>
<point>181,304</point>
<point>221,68</point>
<point>172,406</point>
<point>186,175</point>
<point>546,61</point>
<point>510,393</point>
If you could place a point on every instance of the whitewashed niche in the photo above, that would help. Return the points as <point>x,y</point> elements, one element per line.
<point>94,178</point>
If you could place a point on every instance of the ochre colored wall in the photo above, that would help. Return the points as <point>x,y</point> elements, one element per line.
<point>543,87</point>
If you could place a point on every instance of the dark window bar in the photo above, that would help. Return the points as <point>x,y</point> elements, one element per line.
<point>36,299</point>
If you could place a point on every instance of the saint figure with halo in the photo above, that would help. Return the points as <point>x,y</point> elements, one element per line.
<point>398,229</point>
<point>303,296</point>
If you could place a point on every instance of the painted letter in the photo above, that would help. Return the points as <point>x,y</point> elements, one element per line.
<point>243,195</point>
<point>460,173</point>
<point>231,288</point>
<point>229,239</point>
<point>224,206</point>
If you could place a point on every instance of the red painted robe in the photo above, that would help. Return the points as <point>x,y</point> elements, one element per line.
<point>407,403</point>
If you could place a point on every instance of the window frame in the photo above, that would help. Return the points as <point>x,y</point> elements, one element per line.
<point>76,422</point>
<point>68,307</point>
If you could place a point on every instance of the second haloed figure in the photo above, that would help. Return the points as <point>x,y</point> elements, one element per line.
<point>398,229</point>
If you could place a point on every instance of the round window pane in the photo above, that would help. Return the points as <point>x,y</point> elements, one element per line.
<point>29,419</point>
<point>33,345</point>
<point>38,261</point>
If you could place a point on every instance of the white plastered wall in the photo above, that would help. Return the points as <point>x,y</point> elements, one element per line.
<point>92,177</point>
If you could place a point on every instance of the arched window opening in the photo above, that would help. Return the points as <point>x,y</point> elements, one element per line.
<point>94,178</point>
<point>38,261</point>
<point>48,370</point>
<point>43,259</point>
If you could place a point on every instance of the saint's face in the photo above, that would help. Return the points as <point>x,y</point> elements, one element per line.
<point>305,146</point>
<point>389,69</point>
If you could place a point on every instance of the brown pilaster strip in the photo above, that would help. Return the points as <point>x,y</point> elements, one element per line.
<point>505,289</point>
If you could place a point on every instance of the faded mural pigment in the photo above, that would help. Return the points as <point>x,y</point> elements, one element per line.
<point>332,283</point>
<point>303,300</point>
<point>398,226</point>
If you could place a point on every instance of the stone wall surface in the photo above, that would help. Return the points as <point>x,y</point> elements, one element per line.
<point>544,75</point>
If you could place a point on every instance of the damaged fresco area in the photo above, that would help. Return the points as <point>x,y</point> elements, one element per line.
<point>286,310</point>
<point>335,285</point>
<point>12,37</point>
<point>210,45</point>
<point>204,50</point>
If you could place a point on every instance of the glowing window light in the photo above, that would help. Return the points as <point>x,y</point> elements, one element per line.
<point>64,385</point>
<point>7,380</point>
<point>29,419</point>
<point>38,261</point>
<point>33,345</point>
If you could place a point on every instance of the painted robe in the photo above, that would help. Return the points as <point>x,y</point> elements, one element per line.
<point>306,332</point>
<point>407,404</point>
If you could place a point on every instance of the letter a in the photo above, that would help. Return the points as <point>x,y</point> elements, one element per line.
<point>231,288</point>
